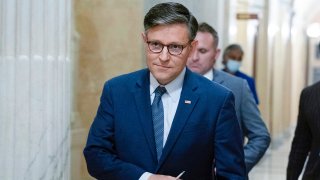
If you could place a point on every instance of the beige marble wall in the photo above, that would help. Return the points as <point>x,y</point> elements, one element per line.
<point>279,53</point>
<point>107,42</point>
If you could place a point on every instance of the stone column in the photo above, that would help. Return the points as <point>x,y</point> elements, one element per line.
<point>35,89</point>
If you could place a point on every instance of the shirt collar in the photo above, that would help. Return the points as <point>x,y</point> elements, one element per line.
<point>173,88</point>
<point>209,75</point>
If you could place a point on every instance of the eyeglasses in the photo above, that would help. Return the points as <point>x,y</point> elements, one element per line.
<point>173,49</point>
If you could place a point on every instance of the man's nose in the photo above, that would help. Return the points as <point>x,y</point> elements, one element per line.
<point>195,56</point>
<point>164,55</point>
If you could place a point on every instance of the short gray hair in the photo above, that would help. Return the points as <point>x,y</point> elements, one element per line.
<point>171,13</point>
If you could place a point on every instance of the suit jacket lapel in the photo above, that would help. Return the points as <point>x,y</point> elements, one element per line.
<point>187,102</point>
<point>217,77</point>
<point>142,99</point>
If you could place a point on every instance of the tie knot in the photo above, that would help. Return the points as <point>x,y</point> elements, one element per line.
<point>160,90</point>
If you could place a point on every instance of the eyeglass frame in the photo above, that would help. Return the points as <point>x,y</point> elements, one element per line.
<point>163,45</point>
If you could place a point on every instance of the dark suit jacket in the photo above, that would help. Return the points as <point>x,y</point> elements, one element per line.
<point>307,137</point>
<point>121,142</point>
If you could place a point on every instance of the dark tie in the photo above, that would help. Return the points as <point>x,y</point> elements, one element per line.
<point>158,119</point>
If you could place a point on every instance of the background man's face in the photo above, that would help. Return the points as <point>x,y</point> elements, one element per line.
<point>205,55</point>
<point>164,66</point>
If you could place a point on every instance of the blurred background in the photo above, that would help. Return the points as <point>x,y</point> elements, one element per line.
<point>55,56</point>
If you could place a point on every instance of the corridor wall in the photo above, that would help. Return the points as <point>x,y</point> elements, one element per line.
<point>268,43</point>
<point>107,42</point>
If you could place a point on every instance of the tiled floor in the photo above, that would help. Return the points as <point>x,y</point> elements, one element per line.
<point>274,163</point>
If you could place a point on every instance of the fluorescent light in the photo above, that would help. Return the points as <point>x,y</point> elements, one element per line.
<point>313,30</point>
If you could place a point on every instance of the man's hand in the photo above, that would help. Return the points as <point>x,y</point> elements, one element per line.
<point>161,177</point>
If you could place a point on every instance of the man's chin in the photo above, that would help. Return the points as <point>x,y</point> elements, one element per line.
<point>196,70</point>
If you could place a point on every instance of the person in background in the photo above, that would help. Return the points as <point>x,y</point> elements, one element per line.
<point>306,140</point>
<point>253,128</point>
<point>232,58</point>
<point>160,122</point>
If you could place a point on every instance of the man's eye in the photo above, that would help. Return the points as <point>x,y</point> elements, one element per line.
<point>174,46</point>
<point>202,51</point>
<point>155,44</point>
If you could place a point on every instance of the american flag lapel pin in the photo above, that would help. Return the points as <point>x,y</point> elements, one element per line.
<point>187,101</point>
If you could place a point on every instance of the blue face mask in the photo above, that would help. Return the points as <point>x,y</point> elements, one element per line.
<point>233,65</point>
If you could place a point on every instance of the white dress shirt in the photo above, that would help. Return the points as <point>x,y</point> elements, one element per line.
<point>170,101</point>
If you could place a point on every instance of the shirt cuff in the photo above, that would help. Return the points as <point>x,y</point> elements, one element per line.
<point>145,176</point>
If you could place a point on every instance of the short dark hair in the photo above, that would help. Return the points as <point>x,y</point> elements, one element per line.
<point>229,48</point>
<point>171,13</point>
<point>232,47</point>
<point>204,27</point>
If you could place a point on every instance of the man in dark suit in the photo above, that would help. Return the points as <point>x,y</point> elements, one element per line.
<point>306,140</point>
<point>253,128</point>
<point>159,122</point>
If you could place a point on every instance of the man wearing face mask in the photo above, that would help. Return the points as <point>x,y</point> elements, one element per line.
<point>232,58</point>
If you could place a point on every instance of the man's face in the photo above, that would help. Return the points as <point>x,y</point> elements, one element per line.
<point>205,55</point>
<point>164,66</point>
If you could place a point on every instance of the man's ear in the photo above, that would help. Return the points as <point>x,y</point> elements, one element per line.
<point>218,51</point>
<point>144,37</point>
<point>224,60</point>
<point>194,45</point>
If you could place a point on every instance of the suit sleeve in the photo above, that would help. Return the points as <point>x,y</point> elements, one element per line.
<point>301,143</point>
<point>100,151</point>
<point>253,128</point>
<point>229,156</point>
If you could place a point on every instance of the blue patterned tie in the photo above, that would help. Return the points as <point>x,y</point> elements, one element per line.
<point>158,119</point>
